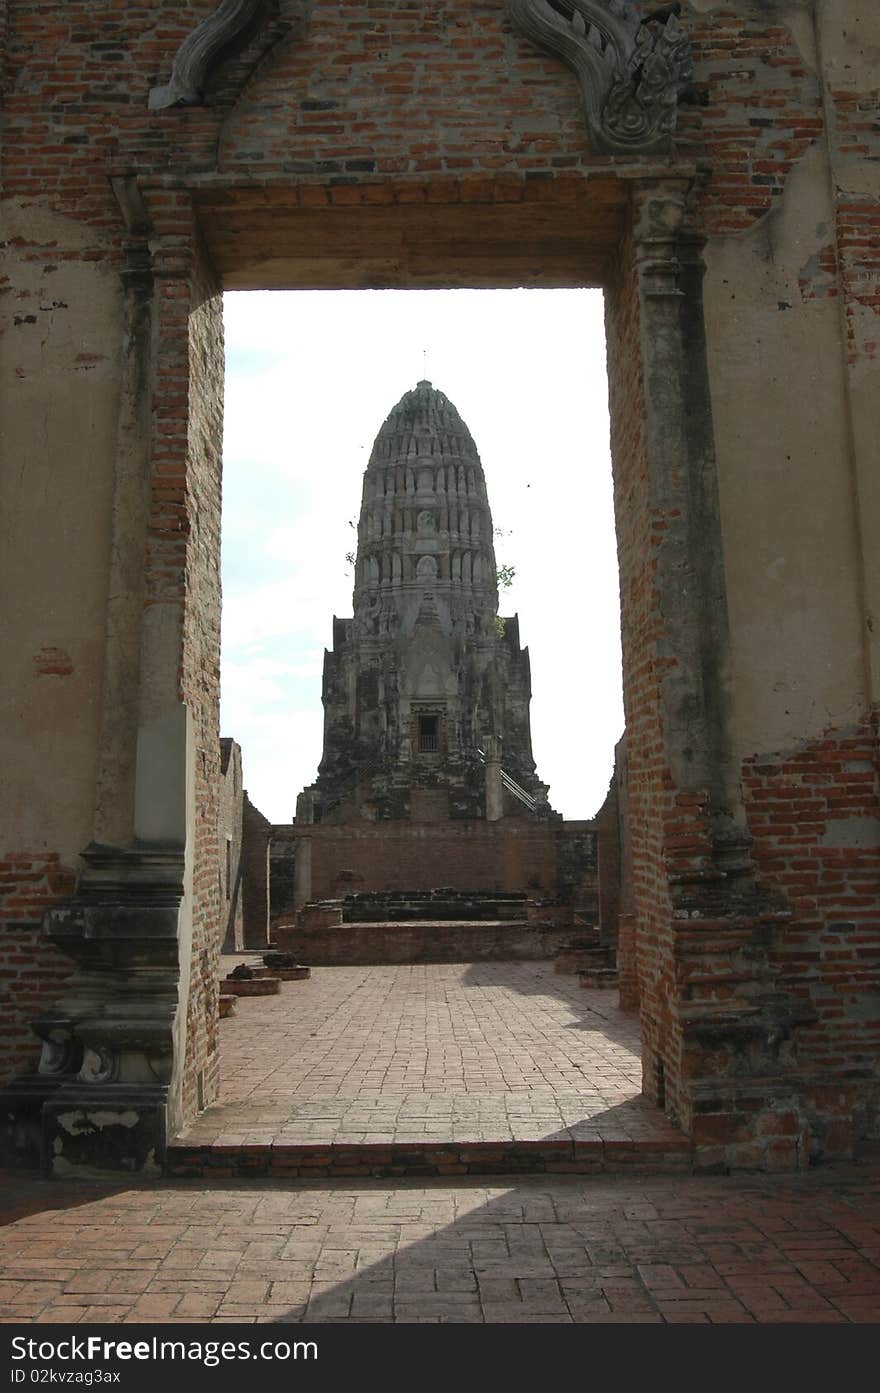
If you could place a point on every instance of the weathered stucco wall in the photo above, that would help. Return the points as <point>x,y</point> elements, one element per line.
<point>59,369</point>
<point>781,297</point>
<point>60,372</point>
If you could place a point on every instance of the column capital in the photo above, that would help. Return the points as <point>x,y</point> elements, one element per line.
<point>664,237</point>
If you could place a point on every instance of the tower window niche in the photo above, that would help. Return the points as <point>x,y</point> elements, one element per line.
<point>429,734</point>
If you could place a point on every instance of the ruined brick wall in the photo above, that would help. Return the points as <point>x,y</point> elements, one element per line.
<point>355,944</point>
<point>32,973</point>
<point>256,831</point>
<point>441,106</point>
<point>282,873</point>
<point>230,842</point>
<point>200,671</point>
<point>507,855</point>
<point>639,628</point>
<point>577,866</point>
<point>813,815</point>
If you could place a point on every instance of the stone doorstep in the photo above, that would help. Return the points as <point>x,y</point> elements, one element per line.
<point>572,960</point>
<point>598,978</point>
<point>388,1160</point>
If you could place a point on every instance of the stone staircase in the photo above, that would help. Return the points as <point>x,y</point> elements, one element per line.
<point>594,962</point>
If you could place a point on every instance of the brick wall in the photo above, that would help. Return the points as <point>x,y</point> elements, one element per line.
<point>193,498</point>
<point>32,972</point>
<point>420,943</point>
<point>230,843</point>
<point>511,854</point>
<point>445,89</point>
<point>650,798</point>
<point>431,105</point>
<point>814,817</point>
<point>256,832</point>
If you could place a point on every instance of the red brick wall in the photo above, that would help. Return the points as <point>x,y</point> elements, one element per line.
<point>445,89</point>
<point>444,102</point>
<point>650,800</point>
<point>814,818</point>
<point>756,111</point>
<point>32,972</point>
<point>183,573</point>
<point>419,943</point>
<point>255,875</point>
<point>200,675</point>
<point>507,855</point>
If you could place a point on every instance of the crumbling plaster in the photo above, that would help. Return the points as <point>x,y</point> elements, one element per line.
<point>59,371</point>
<point>786,504</point>
<point>803,612</point>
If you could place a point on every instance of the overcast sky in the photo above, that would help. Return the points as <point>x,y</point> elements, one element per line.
<point>311,375</point>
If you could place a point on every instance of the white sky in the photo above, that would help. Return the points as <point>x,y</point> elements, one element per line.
<point>311,375</point>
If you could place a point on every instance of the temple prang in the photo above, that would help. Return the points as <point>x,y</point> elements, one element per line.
<point>426,690</point>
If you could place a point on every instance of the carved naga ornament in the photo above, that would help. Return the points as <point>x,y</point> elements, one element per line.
<point>232,22</point>
<point>630,70</point>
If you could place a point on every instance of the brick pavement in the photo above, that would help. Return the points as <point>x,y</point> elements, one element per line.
<point>480,1052</point>
<point>802,1248</point>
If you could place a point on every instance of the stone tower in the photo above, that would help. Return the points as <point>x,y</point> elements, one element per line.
<point>426,692</point>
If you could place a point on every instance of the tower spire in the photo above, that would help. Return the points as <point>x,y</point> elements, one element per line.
<point>422,681</point>
<point>425,524</point>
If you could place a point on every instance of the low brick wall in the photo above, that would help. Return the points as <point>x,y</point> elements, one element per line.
<point>363,944</point>
<point>513,856</point>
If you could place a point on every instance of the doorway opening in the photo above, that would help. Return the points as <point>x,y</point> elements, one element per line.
<point>310,376</point>
<point>408,1049</point>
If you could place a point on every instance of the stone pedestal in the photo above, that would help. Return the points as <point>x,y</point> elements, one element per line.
<point>99,1102</point>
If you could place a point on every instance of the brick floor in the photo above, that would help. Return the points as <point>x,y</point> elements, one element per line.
<point>485,1052</point>
<point>710,1250</point>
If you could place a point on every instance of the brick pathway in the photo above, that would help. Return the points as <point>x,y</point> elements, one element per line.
<point>481,1052</point>
<point>719,1249</point>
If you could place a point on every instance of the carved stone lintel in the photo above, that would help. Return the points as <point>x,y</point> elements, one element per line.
<point>630,70</point>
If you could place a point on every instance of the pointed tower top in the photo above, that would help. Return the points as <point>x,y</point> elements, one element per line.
<point>423,418</point>
<point>425,525</point>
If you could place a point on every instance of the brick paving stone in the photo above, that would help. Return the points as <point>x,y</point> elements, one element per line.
<point>444,1251</point>
<point>429,1052</point>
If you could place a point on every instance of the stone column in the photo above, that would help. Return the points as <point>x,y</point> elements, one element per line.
<point>720,1073</point>
<point>494,786</point>
<point>110,1077</point>
<point>683,496</point>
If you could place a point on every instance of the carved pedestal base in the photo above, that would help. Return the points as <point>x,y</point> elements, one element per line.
<point>99,1101</point>
<point>98,1131</point>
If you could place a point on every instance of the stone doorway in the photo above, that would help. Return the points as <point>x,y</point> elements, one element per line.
<point>626,235</point>
<point>310,376</point>
<point>629,238</point>
<point>508,144</point>
<point>572,439</point>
